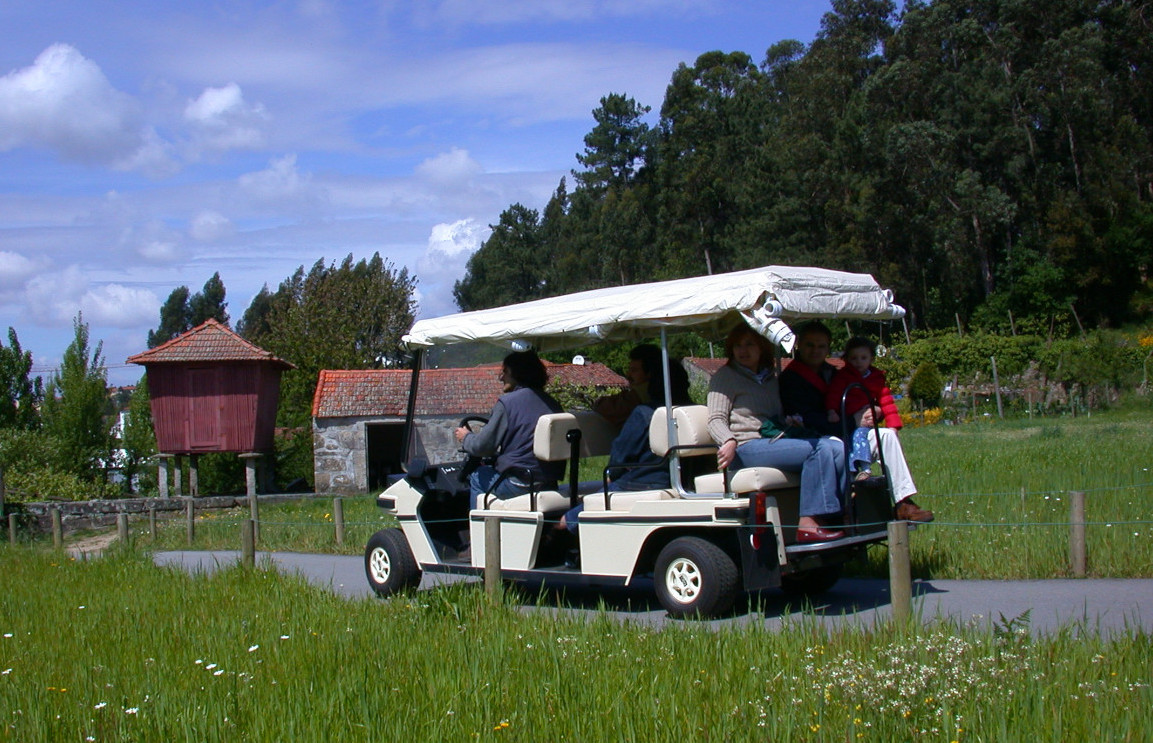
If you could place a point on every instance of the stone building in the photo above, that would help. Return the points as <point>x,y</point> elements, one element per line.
<point>358,417</point>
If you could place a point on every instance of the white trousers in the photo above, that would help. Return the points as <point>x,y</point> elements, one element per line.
<point>899,476</point>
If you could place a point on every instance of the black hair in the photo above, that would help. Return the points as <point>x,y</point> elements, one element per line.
<point>526,369</point>
<point>678,383</point>
<point>814,326</point>
<point>860,341</point>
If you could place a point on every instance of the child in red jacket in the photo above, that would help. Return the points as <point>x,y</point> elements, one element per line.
<point>858,356</point>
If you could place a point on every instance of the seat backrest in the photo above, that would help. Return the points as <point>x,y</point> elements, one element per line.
<point>692,431</point>
<point>550,441</point>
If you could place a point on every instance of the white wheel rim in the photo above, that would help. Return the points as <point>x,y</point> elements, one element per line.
<point>380,565</point>
<point>683,580</point>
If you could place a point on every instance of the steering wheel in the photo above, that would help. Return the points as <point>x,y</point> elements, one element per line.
<point>470,462</point>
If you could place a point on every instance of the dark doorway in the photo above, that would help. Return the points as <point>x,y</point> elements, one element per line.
<point>383,442</point>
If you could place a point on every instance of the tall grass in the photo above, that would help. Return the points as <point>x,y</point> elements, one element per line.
<point>1000,492</point>
<point>119,649</point>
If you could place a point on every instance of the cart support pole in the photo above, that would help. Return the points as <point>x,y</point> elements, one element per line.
<point>492,556</point>
<point>900,573</point>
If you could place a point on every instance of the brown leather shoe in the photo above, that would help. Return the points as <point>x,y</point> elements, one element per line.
<point>907,510</point>
<point>808,536</point>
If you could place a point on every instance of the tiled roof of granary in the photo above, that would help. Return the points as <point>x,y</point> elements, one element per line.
<point>208,342</point>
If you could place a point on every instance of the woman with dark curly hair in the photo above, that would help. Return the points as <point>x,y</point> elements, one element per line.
<point>509,433</point>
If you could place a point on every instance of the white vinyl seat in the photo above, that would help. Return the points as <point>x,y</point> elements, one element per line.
<point>551,444</point>
<point>693,440</point>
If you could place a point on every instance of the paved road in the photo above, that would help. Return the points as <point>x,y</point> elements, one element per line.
<point>1107,605</point>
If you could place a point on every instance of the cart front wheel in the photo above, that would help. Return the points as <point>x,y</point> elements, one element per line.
<point>389,563</point>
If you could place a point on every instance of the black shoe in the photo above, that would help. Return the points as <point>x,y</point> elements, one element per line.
<point>573,559</point>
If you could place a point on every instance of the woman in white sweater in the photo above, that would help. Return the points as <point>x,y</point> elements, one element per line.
<point>743,394</point>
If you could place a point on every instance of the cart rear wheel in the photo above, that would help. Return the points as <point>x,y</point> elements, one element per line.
<point>695,577</point>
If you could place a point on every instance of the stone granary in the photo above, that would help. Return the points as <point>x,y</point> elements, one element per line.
<point>358,417</point>
<point>211,391</point>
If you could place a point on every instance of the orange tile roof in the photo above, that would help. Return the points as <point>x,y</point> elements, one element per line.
<point>375,392</point>
<point>210,341</point>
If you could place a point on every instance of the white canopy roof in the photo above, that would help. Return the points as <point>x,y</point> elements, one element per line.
<point>708,304</point>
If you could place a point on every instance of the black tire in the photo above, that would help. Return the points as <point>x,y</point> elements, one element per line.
<point>389,563</point>
<point>695,578</point>
<point>811,583</point>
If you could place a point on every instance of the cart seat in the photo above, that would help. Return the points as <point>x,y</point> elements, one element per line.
<point>551,444</point>
<point>694,443</point>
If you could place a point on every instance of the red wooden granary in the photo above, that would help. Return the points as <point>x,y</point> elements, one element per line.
<point>212,391</point>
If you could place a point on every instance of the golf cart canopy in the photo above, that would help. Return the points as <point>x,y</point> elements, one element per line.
<point>765,297</point>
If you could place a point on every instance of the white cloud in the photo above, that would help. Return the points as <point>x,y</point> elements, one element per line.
<point>54,300</point>
<point>462,236</point>
<point>15,269</point>
<point>153,241</point>
<point>453,168</point>
<point>208,226</point>
<point>449,247</point>
<point>119,306</point>
<point>280,181</point>
<point>64,103</point>
<point>220,119</point>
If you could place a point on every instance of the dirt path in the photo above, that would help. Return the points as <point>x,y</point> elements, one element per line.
<point>93,545</point>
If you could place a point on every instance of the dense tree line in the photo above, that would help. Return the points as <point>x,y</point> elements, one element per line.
<point>346,316</point>
<point>985,158</point>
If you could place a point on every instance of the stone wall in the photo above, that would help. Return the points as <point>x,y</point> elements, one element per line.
<point>338,454</point>
<point>92,514</point>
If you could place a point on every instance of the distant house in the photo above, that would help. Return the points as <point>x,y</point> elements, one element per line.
<point>358,417</point>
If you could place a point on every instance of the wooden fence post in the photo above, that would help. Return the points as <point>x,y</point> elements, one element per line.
<point>57,529</point>
<point>254,514</point>
<point>492,584</point>
<point>190,518</point>
<point>1077,553</point>
<point>900,572</point>
<point>338,517</point>
<point>122,527</point>
<point>248,542</point>
<point>12,528</point>
<point>152,522</point>
<point>997,387</point>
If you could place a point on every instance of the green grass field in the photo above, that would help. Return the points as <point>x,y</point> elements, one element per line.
<point>118,649</point>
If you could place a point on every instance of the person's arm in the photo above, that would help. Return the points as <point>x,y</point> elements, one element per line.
<point>484,442</point>
<point>720,406</point>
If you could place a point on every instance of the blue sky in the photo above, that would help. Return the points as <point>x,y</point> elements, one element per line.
<point>147,145</point>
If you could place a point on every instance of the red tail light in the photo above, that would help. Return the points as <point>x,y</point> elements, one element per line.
<point>759,517</point>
